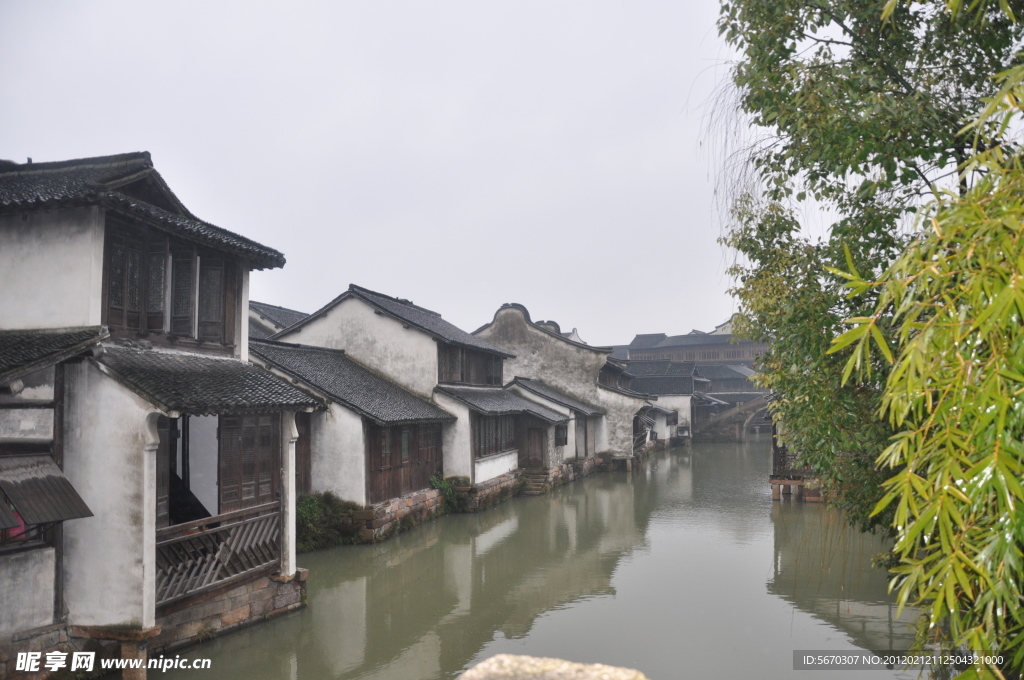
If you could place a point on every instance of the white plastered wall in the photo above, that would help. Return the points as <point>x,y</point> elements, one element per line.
<point>203,457</point>
<point>488,468</point>
<point>110,459</point>
<point>679,403</point>
<point>338,453</point>
<point>54,259</point>
<point>407,356</point>
<point>456,439</point>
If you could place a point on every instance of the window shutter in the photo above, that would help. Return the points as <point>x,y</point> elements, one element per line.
<point>211,299</point>
<point>181,293</point>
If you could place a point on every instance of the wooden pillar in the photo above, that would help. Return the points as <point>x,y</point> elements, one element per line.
<point>776,492</point>
<point>289,435</point>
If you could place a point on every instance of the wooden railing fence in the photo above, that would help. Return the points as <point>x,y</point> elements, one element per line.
<point>201,555</point>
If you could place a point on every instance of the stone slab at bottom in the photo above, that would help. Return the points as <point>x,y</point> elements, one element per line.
<point>515,667</point>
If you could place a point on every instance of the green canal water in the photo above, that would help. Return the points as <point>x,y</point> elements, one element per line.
<point>683,568</point>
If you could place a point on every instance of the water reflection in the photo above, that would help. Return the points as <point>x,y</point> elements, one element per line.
<point>661,569</point>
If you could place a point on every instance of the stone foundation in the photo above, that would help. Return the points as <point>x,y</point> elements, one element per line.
<point>493,491</point>
<point>540,482</point>
<point>223,610</point>
<point>383,520</point>
<point>178,624</point>
<point>53,638</point>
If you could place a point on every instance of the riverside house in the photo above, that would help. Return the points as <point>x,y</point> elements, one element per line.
<point>494,431</point>
<point>375,443</point>
<point>146,467</point>
<point>607,411</point>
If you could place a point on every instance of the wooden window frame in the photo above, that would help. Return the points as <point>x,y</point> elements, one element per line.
<point>493,435</point>
<point>561,435</point>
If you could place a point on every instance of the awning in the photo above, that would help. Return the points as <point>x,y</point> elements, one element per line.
<point>498,401</point>
<point>647,420</point>
<point>7,518</point>
<point>39,491</point>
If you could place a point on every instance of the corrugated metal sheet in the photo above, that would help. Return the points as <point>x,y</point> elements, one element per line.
<point>39,491</point>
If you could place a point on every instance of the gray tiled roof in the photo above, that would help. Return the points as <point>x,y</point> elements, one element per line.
<point>646,340</point>
<point>338,376</point>
<point>22,352</point>
<point>548,392</point>
<point>661,367</point>
<point>425,320</point>
<point>701,339</point>
<point>201,385</point>
<point>282,316</point>
<point>725,372</point>
<point>498,401</point>
<point>95,181</point>
<point>259,332</point>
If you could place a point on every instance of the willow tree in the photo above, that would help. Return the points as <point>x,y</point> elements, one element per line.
<point>864,116</point>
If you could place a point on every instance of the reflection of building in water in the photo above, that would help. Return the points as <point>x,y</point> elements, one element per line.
<point>823,567</point>
<point>425,604</point>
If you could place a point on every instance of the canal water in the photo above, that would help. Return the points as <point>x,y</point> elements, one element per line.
<point>683,568</point>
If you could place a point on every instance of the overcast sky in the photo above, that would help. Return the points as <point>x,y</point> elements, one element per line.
<point>459,154</point>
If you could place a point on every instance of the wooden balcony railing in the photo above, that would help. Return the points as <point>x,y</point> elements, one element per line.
<point>201,555</point>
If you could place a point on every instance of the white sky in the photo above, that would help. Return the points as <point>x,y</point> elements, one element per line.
<point>459,154</point>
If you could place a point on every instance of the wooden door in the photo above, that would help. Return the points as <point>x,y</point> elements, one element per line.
<point>250,459</point>
<point>535,447</point>
<point>303,461</point>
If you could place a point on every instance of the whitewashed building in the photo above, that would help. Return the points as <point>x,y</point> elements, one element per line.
<point>417,349</point>
<point>146,468</point>
<point>583,372</point>
<point>376,442</point>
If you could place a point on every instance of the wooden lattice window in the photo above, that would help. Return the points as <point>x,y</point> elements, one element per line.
<point>449,363</point>
<point>493,434</point>
<point>249,460</point>
<point>405,444</point>
<point>494,370</point>
<point>211,299</point>
<point>561,435</point>
<point>182,296</point>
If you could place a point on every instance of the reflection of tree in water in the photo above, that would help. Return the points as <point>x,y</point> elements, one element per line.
<point>823,567</point>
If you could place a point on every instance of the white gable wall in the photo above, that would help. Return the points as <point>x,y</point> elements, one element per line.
<point>54,259</point>
<point>569,368</point>
<point>107,557</point>
<point>338,453</point>
<point>408,356</point>
<point>456,439</point>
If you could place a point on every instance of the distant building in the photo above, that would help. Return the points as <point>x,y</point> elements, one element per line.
<point>718,346</point>
<point>267,320</point>
<point>582,372</point>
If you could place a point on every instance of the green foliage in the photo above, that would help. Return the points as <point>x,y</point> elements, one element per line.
<point>454,500</point>
<point>324,520</point>
<point>954,395</point>
<point>866,118</point>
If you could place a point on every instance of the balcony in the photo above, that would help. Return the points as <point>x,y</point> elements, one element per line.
<point>199,556</point>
